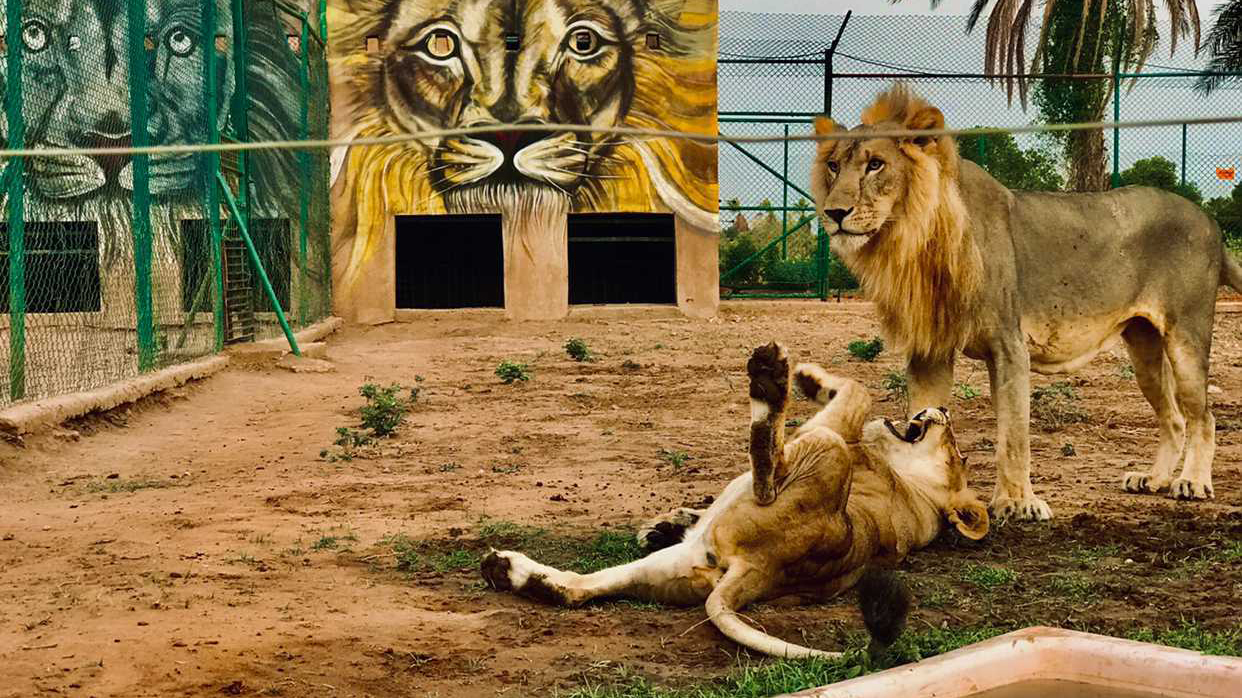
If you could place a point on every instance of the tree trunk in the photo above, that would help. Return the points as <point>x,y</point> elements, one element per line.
<point>1088,162</point>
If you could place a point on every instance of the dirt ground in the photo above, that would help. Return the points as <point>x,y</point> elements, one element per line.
<point>199,545</point>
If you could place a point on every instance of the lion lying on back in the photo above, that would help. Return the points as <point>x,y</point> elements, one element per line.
<point>840,499</point>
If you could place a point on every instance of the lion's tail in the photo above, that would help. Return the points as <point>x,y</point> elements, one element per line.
<point>736,588</point>
<point>1231,272</point>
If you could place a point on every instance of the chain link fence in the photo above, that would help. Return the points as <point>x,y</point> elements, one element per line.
<point>112,266</point>
<point>777,72</point>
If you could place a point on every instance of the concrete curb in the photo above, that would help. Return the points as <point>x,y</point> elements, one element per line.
<point>278,346</point>
<point>29,417</point>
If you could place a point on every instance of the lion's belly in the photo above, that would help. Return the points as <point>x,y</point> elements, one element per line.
<point>1062,345</point>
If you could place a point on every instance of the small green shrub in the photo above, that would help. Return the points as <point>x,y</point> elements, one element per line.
<point>675,458</point>
<point>578,350</point>
<point>510,371</point>
<point>965,391</point>
<point>839,275</point>
<point>385,409</point>
<point>789,274</point>
<point>734,253</point>
<point>1056,406</point>
<point>865,349</point>
<point>898,388</point>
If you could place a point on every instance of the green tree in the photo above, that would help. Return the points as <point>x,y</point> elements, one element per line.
<point>1161,173</point>
<point>1227,210</point>
<point>1015,167</point>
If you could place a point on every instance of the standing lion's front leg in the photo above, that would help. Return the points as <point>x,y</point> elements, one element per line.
<point>1009,372</point>
<point>930,381</point>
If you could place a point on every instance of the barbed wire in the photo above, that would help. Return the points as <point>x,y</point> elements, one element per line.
<point>650,134</point>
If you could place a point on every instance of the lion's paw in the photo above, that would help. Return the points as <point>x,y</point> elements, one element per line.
<point>1143,483</point>
<point>1026,509</point>
<point>667,530</point>
<point>768,369</point>
<point>1184,488</point>
<point>506,570</point>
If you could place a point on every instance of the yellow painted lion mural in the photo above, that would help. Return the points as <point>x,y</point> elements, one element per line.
<point>406,66</point>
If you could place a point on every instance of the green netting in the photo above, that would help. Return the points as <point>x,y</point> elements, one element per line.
<point>111,266</point>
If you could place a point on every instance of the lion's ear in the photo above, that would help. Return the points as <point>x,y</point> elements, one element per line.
<point>970,518</point>
<point>824,126</point>
<point>927,118</point>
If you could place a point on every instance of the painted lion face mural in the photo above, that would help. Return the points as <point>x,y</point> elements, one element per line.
<point>418,65</point>
<point>76,94</point>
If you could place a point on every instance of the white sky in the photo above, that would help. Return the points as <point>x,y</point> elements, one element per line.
<point>882,7</point>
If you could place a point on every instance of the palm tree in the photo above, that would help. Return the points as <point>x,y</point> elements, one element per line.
<point>1074,39</point>
<point>1224,45</point>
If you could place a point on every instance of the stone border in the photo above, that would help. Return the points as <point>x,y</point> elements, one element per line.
<point>30,417</point>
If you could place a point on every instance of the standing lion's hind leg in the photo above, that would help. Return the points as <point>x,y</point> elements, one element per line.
<point>1155,378</point>
<point>846,402</point>
<point>768,370</point>
<point>1188,356</point>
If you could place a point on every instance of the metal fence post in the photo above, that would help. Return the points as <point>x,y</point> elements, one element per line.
<point>304,165</point>
<point>832,49</point>
<point>141,201</point>
<point>785,196</point>
<point>212,201</point>
<point>1183,155</point>
<point>14,175</point>
<point>1116,131</point>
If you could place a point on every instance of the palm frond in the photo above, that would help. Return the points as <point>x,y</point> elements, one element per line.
<point>1224,46</point>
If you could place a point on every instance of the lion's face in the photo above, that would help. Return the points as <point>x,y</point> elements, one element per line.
<point>446,65</point>
<point>859,186</point>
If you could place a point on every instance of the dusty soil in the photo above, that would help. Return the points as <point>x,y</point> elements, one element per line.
<point>198,544</point>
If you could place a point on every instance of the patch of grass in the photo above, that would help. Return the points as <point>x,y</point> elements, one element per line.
<point>676,458</point>
<point>1067,450</point>
<point>511,371</point>
<point>1232,552</point>
<point>794,423</point>
<point>1072,585</point>
<point>1126,371</point>
<point>965,391</point>
<point>898,388</point>
<point>506,469</point>
<point>988,577</point>
<point>578,350</point>
<point>1189,635</point>
<point>449,467</point>
<point>385,409</point>
<point>865,349</point>
<point>333,542</point>
<point>1055,407</point>
<point>117,485</point>
<point>1090,555</point>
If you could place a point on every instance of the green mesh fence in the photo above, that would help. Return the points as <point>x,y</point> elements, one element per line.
<point>112,266</point>
<point>775,76</point>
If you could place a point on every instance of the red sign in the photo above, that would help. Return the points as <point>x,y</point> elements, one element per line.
<point>1225,173</point>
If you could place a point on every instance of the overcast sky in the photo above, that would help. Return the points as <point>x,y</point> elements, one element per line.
<point>876,7</point>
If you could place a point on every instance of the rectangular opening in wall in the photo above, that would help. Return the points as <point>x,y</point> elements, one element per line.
<point>622,258</point>
<point>62,267</point>
<point>450,262</point>
<point>272,240</point>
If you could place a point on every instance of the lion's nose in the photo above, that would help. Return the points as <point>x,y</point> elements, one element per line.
<point>512,141</point>
<point>838,214</point>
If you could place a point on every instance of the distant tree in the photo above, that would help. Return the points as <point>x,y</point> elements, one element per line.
<point>1161,173</point>
<point>1227,210</point>
<point>1015,167</point>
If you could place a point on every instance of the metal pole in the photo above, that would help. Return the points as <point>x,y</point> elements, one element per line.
<point>258,265</point>
<point>1116,131</point>
<point>1183,155</point>
<point>785,197</point>
<point>14,172</point>
<point>828,63</point>
<point>304,164</point>
<point>141,210</point>
<point>212,203</point>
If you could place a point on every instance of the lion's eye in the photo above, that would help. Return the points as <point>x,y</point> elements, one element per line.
<point>180,42</point>
<point>585,41</point>
<point>34,35</point>
<point>833,167</point>
<point>440,45</point>
<point>875,164</point>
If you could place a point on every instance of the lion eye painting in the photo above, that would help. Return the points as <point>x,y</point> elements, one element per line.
<point>446,64</point>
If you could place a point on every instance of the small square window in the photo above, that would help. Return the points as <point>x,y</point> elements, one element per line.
<point>513,42</point>
<point>373,44</point>
<point>653,41</point>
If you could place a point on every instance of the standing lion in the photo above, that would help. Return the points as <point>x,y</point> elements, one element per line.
<point>955,262</point>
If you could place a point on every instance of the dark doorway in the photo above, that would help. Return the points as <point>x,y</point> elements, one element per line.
<point>450,262</point>
<point>62,267</point>
<point>622,258</point>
